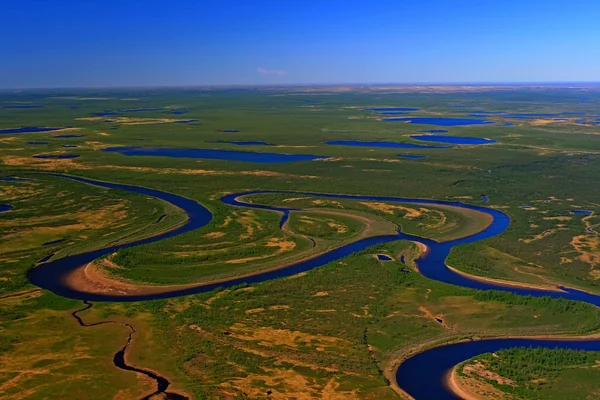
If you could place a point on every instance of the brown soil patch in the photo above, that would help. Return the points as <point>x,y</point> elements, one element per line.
<point>214,235</point>
<point>321,294</point>
<point>589,248</point>
<point>473,388</point>
<point>269,337</point>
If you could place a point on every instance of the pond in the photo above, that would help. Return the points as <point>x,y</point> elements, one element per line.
<point>34,143</point>
<point>55,156</point>
<point>5,207</point>
<point>13,179</point>
<point>28,129</point>
<point>582,212</point>
<point>67,136</point>
<point>440,121</point>
<point>212,154</point>
<point>453,139</point>
<point>52,242</point>
<point>384,257</point>
<point>391,145</point>
<point>411,156</point>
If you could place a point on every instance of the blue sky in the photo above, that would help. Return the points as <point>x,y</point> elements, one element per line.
<point>65,43</point>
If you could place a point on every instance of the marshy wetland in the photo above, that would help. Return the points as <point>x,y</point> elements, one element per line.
<point>329,266</point>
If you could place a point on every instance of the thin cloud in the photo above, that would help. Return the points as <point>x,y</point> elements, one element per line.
<point>271,72</point>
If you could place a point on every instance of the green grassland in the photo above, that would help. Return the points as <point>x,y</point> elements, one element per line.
<point>334,330</point>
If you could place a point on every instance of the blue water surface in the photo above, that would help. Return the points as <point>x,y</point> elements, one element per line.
<point>213,154</point>
<point>411,156</point>
<point>392,145</point>
<point>67,136</point>
<point>56,156</point>
<point>440,121</point>
<point>453,139</point>
<point>28,129</point>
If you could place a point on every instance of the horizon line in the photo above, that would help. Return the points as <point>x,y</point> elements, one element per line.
<point>291,85</point>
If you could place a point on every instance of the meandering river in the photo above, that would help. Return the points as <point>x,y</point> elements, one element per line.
<point>422,375</point>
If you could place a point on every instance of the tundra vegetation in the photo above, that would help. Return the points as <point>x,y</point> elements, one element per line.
<point>337,330</point>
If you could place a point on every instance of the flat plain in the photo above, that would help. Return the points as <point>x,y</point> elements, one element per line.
<point>337,331</point>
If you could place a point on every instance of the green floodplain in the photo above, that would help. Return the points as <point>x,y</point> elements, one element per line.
<point>335,332</point>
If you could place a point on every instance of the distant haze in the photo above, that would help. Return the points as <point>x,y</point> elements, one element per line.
<point>68,43</point>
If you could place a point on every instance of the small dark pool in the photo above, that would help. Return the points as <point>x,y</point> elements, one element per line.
<point>50,243</point>
<point>392,145</point>
<point>383,257</point>
<point>484,198</point>
<point>28,129</point>
<point>5,207</point>
<point>34,143</point>
<point>526,207</point>
<point>582,212</point>
<point>13,179</point>
<point>56,156</point>
<point>67,136</point>
<point>411,156</point>
<point>440,121</point>
<point>229,130</point>
<point>69,146</point>
<point>184,121</point>
<point>233,155</point>
<point>453,139</point>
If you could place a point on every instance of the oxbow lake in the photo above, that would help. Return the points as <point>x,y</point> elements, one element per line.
<point>212,154</point>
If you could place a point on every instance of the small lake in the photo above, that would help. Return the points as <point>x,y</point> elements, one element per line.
<point>440,121</point>
<point>383,257</point>
<point>453,139</point>
<point>411,156</point>
<point>28,129</point>
<point>229,130</point>
<point>184,121</point>
<point>582,212</point>
<point>56,156</point>
<point>67,136</point>
<point>52,242</point>
<point>212,154</point>
<point>13,179</point>
<point>5,207</point>
<point>390,145</point>
<point>35,143</point>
